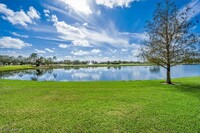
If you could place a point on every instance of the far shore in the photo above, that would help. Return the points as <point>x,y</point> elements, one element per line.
<point>53,66</point>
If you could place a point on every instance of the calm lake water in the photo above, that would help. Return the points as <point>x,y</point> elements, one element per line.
<point>102,73</point>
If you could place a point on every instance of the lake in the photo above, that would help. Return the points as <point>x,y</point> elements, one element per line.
<point>123,73</point>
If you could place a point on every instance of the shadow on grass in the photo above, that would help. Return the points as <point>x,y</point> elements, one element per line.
<point>192,89</point>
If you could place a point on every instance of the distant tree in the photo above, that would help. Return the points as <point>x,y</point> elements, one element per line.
<point>54,58</point>
<point>108,62</point>
<point>39,61</point>
<point>76,62</point>
<point>170,40</point>
<point>33,57</point>
<point>20,59</point>
<point>49,60</point>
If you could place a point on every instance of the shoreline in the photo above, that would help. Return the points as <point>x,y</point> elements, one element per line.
<point>27,67</point>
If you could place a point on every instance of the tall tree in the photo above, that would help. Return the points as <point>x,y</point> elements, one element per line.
<point>20,59</point>
<point>171,41</point>
<point>33,57</point>
<point>54,58</point>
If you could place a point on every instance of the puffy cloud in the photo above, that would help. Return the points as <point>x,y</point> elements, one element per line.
<point>113,50</point>
<point>83,43</point>
<point>49,50</point>
<point>85,24</point>
<point>19,17</point>
<point>114,3</point>
<point>54,18</point>
<point>96,51</point>
<point>87,37</point>
<point>33,13</point>
<point>124,50</point>
<point>40,51</point>
<point>46,13</point>
<point>78,5</point>
<point>62,45</point>
<point>67,31</point>
<point>14,43</point>
<point>70,33</point>
<point>80,53</point>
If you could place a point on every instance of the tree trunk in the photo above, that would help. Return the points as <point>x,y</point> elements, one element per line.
<point>168,81</point>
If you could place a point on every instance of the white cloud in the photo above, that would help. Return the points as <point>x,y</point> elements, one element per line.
<point>14,43</point>
<point>88,36</point>
<point>83,43</point>
<point>78,5</point>
<point>99,37</point>
<point>80,53</point>
<point>115,3</point>
<point>70,33</point>
<point>138,36</point>
<point>46,13</point>
<point>136,49</point>
<point>85,24</point>
<point>54,18</point>
<point>96,51</point>
<point>49,50</point>
<point>18,35</point>
<point>113,50</point>
<point>40,51</point>
<point>67,31</point>
<point>72,15</point>
<point>62,45</point>
<point>194,8</point>
<point>19,17</point>
<point>124,50</point>
<point>33,13</point>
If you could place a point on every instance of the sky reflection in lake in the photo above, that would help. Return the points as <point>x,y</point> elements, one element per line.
<point>102,73</point>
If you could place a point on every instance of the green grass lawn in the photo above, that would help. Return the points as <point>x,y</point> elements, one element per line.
<point>134,106</point>
<point>14,67</point>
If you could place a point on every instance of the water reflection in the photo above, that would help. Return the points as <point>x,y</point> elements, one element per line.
<point>154,69</point>
<point>102,73</point>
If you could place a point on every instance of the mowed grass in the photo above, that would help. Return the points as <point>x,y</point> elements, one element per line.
<point>133,106</point>
<point>14,67</point>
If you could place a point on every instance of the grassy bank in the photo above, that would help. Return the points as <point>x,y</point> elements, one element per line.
<point>135,106</point>
<point>15,67</point>
<point>18,67</point>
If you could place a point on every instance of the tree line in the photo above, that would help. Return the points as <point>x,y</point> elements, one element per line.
<point>33,59</point>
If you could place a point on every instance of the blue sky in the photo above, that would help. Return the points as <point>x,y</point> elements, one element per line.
<point>78,29</point>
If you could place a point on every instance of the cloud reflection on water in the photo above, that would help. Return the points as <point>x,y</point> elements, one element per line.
<point>102,73</point>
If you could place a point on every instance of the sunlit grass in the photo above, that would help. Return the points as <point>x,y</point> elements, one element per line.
<point>135,106</point>
<point>14,67</point>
